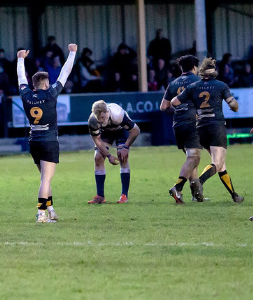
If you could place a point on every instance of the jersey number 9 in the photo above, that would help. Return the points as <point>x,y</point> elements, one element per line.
<point>36,113</point>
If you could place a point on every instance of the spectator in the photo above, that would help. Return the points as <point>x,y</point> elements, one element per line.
<point>69,87</point>
<point>86,53</point>
<point>52,46</point>
<point>161,74</point>
<point>152,83</point>
<point>124,63</point>
<point>246,77</point>
<point>226,71</point>
<point>133,85</point>
<point>89,82</point>
<point>159,47</point>
<point>53,69</point>
<point>170,76</point>
<point>4,82</point>
<point>38,65</point>
<point>5,64</point>
<point>116,83</point>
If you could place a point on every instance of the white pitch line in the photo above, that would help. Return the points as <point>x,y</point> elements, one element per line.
<point>121,244</point>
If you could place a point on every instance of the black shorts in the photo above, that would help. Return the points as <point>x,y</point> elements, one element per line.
<point>187,136</point>
<point>47,151</point>
<point>119,136</point>
<point>213,135</point>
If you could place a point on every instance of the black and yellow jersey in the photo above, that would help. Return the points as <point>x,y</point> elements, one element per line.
<point>40,109</point>
<point>207,96</point>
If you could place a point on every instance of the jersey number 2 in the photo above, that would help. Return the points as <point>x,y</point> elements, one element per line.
<point>206,97</point>
<point>36,113</point>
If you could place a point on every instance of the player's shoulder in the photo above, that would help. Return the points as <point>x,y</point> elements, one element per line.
<point>193,84</point>
<point>194,77</point>
<point>116,112</point>
<point>219,83</point>
<point>55,88</point>
<point>92,121</point>
<point>24,88</point>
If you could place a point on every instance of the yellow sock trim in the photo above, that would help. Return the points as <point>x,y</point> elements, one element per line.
<point>49,203</point>
<point>226,179</point>
<point>206,169</point>
<point>179,180</point>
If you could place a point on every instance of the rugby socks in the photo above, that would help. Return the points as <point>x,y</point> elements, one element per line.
<point>208,172</point>
<point>180,183</point>
<point>42,204</point>
<point>50,204</point>
<point>226,180</point>
<point>100,182</point>
<point>125,180</point>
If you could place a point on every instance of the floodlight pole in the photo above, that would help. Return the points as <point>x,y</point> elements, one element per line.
<point>142,58</point>
<point>200,26</point>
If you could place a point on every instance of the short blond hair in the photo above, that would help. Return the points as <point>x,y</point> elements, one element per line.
<point>98,107</point>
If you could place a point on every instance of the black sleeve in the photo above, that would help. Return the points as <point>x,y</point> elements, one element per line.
<point>24,89</point>
<point>55,89</point>
<point>94,126</point>
<point>167,95</point>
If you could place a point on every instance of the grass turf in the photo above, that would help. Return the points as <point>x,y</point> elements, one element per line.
<point>146,249</point>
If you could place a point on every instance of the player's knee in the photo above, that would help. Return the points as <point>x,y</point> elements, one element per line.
<point>99,159</point>
<point>193,160</point>
<point>193,152</point>
<point>218,165</point>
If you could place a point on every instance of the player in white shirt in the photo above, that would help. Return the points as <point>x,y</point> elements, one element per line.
<point>108,123</point>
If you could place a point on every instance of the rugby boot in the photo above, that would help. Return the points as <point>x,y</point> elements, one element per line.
<point>195,199</point>
<point>123,199</point>
<point>52,215</point>
<point>178,196</point>
<point>41,218</point>
<point>238,199</point>
<point>97,199</point>
<point>251,218</point>
<point>197,189</point>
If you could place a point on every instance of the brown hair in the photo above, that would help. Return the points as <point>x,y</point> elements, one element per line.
<point>207,68</point>
<point>38,78</point>
<point>98,107</point>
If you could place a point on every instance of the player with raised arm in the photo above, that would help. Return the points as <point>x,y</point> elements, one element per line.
<point>108,123</point>
<point>184,125</point>
<point>40,108</point>
<point>207,96</point>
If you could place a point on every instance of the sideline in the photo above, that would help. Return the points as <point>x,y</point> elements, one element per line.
<point>121,244</point>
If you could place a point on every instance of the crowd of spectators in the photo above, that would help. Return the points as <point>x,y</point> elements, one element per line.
<point>121,72</point>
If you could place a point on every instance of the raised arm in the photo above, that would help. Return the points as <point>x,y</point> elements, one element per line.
<point>67,67</point>
<point>21,55</point>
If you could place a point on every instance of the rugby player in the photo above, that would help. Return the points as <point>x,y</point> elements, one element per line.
<point>40,108</point>
<point>108,123</point>
<point>184,125</point>
<point>207,96</point>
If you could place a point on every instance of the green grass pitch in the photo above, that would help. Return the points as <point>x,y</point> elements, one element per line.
<point>146,249</point>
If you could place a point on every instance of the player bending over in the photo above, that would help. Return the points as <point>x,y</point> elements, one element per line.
<point>207,96</point>
<point>40,108</point>
<point>108,123</point>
